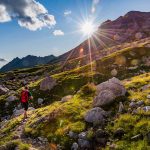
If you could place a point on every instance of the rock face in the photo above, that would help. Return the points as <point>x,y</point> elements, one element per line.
<point>3,90</point>
<point>47,83</point>
<point>96,116</point>
<point>108,91</point>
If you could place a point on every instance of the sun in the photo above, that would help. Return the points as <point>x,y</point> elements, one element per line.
<point>87,28</point>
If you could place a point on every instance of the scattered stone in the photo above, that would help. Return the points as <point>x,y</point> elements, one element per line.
<point>136,137</point>
<point>3,90</point>
<point>148,96</point>
<point>47,83</point>
<point>146,108</point>
<point>42,139</point>
<point>73,135</point>
<point>145,87</point>
<point>108,91</point>
<point>114,72</point>
<point>75,146</point>
<point>83,135</point>
<point>112,147</point>
<point>96,116</point>
<point>66,98</point>
<point>119,133</point>
<point>140,103</point>
<point>121,107</point>
<point>101,137</point>
<point>18,112</point>
<point>40,101</point>
<point>6,104</point>
<point>11,98</point>
<point>84,144</point>
<point>132,105</point>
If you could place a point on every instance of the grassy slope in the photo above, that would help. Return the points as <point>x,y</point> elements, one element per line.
<point>69,116</point>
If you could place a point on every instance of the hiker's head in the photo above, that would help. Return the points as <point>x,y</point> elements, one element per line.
<point>26,87</point>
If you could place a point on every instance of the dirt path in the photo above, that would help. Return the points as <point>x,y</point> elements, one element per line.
<point>35,143</point>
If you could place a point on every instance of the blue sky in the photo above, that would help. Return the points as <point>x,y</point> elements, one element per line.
<point>20,41</point>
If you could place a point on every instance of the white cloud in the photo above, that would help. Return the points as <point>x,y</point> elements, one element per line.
<point>58,33</point>
<point>95,2</point>
<point>4,16</point>
<point>30,14</point>
<point>67,12</point>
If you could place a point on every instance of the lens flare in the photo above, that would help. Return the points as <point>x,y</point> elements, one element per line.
<point>87,28</point>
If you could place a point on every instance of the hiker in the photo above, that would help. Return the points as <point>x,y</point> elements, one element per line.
<point>25,97</point>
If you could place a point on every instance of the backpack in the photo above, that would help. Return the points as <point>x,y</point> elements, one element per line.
<point>24,96</point>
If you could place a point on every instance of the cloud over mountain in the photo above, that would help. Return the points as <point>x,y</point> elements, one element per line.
<point>30,14</point>
<point>58,33</point>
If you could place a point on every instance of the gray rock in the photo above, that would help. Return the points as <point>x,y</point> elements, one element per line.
<point>136,137</point>
<point>146,108</point>
<point>3,90</point>
<point>74,146</point>
<point>18,112</point>
<point>140,103</point>
<point>108,91</point>
<point>47,83</point>
<point>83,135</point>
<point>96,116</point>
<point>148,96</point>
<point>84,144</point>
<point>119,133</point>
<point>101,137</point>
<point>40,101</point>
<point>72,135</point>
<point>121,107</point>
<point>11,98</point>
<point>132,105</point>
<point>66,98</point>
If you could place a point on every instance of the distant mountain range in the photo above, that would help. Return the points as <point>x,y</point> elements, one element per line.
<point>26,62</point>
<point>133,26</point>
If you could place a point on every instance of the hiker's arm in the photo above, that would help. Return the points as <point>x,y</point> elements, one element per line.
<point>30,96</point>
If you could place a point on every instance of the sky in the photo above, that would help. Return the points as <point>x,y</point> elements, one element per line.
<point>44,27</point>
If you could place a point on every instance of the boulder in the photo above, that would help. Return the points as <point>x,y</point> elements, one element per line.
<point>66,98</point>
<point>11,98</point>
<point>108,91</point>
<point>40,101</point>
<point>96,116</point>
<point>3,90</point>
<point>47,83</point>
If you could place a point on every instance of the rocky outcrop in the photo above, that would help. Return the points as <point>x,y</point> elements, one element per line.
<point>108,91</point>
<point>47,83</point>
